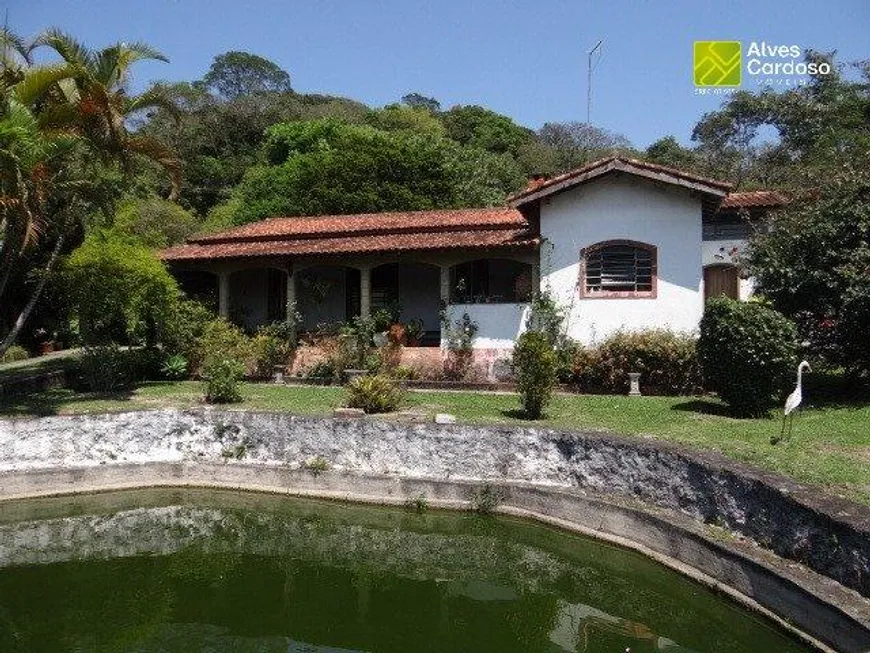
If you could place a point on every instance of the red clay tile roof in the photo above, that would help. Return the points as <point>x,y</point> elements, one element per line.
<point>363,233</point>
<point>370,223</point>
<point>539,189</point>
<point>753,199</point>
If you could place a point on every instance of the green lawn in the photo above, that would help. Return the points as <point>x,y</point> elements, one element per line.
<point>830,445</point>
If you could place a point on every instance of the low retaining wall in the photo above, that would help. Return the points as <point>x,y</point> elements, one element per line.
<point>680,506</point>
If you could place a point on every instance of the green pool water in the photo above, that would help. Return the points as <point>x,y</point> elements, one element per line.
<point>225,571</point>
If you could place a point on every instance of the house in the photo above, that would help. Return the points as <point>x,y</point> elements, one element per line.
<point>619,244</point>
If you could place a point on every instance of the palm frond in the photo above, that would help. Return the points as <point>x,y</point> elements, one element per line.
<point>37,81</point>
<point>153,98</point>
<point>68,47</point>
<point>13,47</point>
<point>138,50</point>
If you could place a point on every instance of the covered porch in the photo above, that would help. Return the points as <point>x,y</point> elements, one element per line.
<point>494,288</point>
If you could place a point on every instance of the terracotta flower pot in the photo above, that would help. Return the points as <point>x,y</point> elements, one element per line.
<point>396,334</point>
<point>46,347</point>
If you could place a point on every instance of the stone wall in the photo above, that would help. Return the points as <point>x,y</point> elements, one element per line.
<point>827,534</point>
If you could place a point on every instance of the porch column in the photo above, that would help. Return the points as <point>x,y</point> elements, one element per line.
<point>291,310</point>
<point>365,292</point>
<point>445,296</point>
<point>224,294</point>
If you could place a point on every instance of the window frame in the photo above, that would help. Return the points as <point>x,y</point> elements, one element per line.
<point>652,293</point>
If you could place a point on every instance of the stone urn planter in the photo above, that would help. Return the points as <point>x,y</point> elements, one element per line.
<point>354,374</point>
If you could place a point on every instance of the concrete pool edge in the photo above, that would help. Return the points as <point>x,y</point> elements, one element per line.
<point>704,511</point>
<point>810,606</point>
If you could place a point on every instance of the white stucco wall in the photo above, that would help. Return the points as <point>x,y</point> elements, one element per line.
<point>499,325</point>
<point>718,252</point>
<point>625,208</point>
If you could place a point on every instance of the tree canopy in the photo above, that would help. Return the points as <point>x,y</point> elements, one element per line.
<point>233,74</point>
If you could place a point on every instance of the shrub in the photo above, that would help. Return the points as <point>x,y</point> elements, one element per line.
<point>222,377</point>
<point>224,349</point>
<point>105,369</point>
<point>121,290</point>
<point>221,340</point>
<point>324,369</point>
<point>269,350</point>
<point>534,363</point>
<point>747,352</point>
<point>374,394</point>
<point>667,362</point>
<point>403,373</point>
<point>146,363</point>
<point>174,367</point>
<point>460,336</point>
<point>185,326</point>
<point>14,353</point>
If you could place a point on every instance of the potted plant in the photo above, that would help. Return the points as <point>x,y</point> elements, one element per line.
<point>44,341</point>
<point>397,334</point>
<point>414,333</point>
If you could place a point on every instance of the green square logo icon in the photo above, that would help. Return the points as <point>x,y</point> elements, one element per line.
<point>717,63</point>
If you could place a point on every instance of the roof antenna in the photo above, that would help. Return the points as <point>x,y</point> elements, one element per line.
<point>590,68</point>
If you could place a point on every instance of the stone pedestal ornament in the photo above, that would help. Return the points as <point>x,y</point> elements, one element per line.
<point>634,384</point>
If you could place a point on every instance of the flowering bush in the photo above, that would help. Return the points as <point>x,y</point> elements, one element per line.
<point>667,362</point>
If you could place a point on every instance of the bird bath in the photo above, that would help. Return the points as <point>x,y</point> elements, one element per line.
<point>196,570</point>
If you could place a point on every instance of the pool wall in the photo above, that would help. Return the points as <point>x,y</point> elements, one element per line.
<point>779,546</point>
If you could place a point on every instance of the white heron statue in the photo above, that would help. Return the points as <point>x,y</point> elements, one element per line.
<point>792,402</point>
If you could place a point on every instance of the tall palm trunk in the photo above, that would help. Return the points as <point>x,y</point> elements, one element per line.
<point>34,297</point>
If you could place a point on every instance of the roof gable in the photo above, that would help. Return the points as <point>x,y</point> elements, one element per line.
<point>545,188</point>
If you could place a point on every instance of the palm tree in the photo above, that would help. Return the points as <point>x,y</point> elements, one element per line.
<point>95,100</point>
<point>47,114</point>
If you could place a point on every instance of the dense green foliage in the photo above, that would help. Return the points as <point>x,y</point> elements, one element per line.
<point>121,291</point>
<point>374,394</point>
<point>331,167</point>
<point>748,353</point>
<point>534,365</point>
<point>184,330</point>
<point>666,361</point>
<point>14,353</point>
<point>814,265</point>
<point>222,377</point>
<point>224,351</point>
<point>154,221</point>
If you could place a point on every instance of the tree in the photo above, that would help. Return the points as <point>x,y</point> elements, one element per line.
<point>814,265</point>
<point>60,124</point>
<point>668,152</point>
<point>329,167</point>
<point>234,74</point>
<point>418,101</point>
<point>814,126</point>
<point>484,129</point>
<point>154,221</point>
<point>576,143</point>
<point>122,292</point>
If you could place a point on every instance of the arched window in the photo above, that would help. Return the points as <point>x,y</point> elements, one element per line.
<point>618,269</point>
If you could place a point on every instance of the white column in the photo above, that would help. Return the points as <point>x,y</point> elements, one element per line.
<point>365,292</point>
<point>445,295</point>
<point>291,298</point>
<point>224,294</point>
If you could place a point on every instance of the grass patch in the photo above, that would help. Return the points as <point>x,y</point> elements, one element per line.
<point>830,444</point>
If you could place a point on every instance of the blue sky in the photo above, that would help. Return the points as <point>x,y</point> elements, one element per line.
<point>524,59</point>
